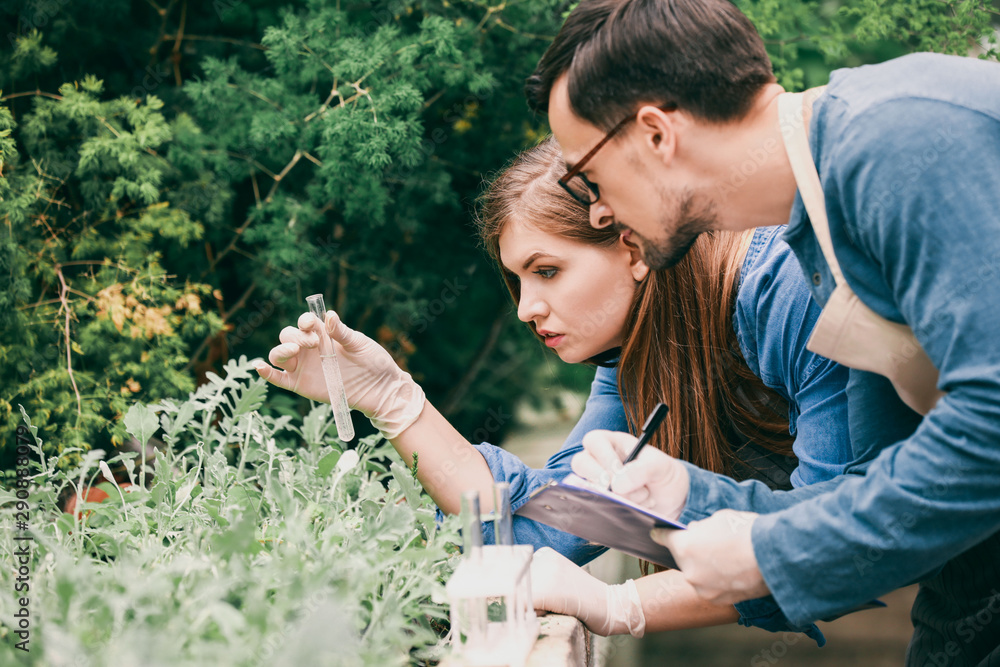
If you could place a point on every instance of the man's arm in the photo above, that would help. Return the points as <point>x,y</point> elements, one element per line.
<point>925,209</point>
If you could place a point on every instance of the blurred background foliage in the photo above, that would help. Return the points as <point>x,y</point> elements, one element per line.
<point>178,176</point>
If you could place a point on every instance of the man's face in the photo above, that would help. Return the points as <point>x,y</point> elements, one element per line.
<point>633,182</point>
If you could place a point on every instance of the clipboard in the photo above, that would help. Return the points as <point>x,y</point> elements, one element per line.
<point>581,508</point>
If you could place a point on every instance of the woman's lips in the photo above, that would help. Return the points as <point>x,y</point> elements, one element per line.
<point>553,341</point>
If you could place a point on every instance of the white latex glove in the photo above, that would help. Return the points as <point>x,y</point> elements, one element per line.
<point>559,585</point>
<point>374,384</point>
<point>716,557</point>
<point>654,479</point>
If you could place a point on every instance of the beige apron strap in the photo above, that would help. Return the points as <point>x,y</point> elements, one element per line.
<point>793,131</point>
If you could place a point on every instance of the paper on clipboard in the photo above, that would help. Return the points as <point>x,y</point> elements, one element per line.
<point>581,508</point>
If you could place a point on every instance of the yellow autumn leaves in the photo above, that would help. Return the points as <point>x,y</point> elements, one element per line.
<point>145,321</point>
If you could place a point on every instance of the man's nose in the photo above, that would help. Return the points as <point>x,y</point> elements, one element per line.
<point>601,215</point>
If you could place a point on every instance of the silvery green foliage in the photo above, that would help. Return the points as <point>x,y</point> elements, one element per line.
<point>259,541</point>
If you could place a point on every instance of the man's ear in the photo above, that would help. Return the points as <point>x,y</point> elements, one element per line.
<point>659,131</point>
<point>636,265</point>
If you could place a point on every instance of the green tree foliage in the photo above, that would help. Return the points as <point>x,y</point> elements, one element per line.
<point>90,316</point>
<point>808,39</point>
<point>178,176</point>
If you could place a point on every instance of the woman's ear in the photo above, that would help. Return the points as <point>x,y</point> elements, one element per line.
<point>636,265</point>
<point>639,269</point>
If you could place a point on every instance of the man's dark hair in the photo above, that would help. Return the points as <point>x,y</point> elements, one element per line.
<point>703,55</point>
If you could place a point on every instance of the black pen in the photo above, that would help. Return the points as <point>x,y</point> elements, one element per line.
<point>653,422</point>
<point>648,429</point>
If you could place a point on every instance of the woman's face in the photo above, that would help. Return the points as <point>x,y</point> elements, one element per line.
<point>576,294</point>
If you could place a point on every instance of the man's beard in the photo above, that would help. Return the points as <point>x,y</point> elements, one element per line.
<point>688,221</point>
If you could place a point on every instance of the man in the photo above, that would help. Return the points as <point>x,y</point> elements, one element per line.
<point>668,117</point>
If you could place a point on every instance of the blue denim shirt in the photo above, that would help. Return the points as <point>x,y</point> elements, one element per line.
<point>908,154</point>
<point>773,318</point>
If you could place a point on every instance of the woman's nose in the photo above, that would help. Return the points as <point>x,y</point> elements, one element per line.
<point>601,215</point>
<point>530,306</point>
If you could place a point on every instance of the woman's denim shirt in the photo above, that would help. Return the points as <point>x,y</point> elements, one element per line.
<point>773,319</point>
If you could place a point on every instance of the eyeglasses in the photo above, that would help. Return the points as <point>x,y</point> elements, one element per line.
<point>579,186</point>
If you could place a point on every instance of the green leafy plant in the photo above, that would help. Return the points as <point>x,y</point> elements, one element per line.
<point>259,541</point>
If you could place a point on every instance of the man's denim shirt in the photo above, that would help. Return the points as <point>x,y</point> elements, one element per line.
<point>908,153</point>
<point>773,318</point>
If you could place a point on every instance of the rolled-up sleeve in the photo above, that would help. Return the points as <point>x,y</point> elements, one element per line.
<point>603,410</point>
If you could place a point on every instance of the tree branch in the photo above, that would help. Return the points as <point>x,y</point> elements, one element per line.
<point>175,54</point>
<point>461,388</point>
<point>246,223</point>
<point>36,92</point>
<point>225,317</point>
<point>69,359</point>
<point>211,38</point>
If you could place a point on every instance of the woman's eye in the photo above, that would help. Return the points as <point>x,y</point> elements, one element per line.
<point>545,273</point>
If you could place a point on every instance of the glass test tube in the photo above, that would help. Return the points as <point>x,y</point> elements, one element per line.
<point>473,610</point>
<point>331,371</point>
<point>503,527</point>
<point>472,529</point>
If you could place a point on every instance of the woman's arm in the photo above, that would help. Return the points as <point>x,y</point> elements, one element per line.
<point>447,464</point>
<point>603,410</point>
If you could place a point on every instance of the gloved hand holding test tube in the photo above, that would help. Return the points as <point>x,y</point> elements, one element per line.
<point>331,371</point>
<point>373,382</point>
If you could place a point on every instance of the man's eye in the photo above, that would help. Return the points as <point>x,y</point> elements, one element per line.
<point>546,273</point>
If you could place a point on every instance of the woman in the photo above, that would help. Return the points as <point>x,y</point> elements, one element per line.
<point>720,338</point>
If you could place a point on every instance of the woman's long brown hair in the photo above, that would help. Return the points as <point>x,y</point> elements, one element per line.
<point>680,346</point>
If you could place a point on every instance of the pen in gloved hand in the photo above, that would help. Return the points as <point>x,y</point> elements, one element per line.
<point>648,429</point>
<point>653,422</point>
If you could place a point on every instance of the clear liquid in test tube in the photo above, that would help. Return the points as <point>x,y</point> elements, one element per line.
<point>503,527</point>
<point>331,371</point>
<point>472,527</point>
